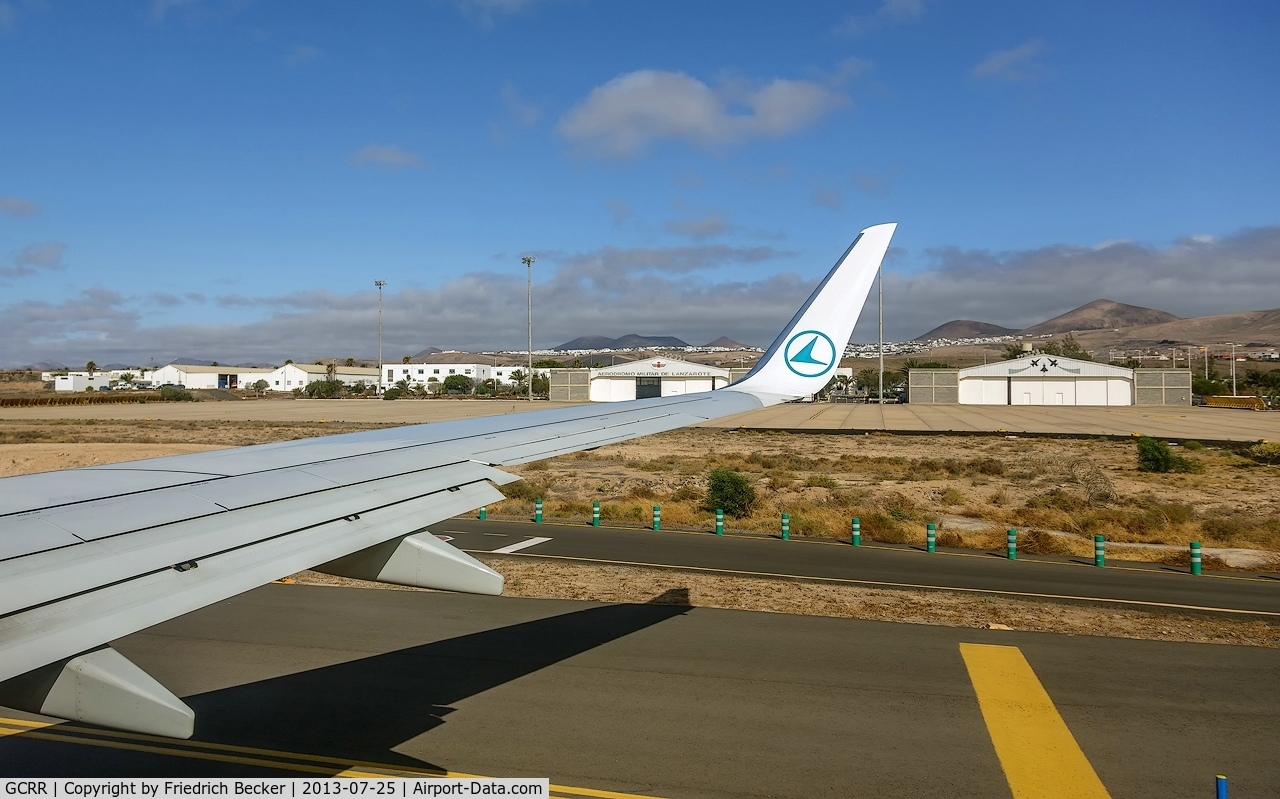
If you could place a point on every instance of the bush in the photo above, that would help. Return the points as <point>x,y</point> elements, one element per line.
<point>392,394</point>
<point>1155,456</point>
<point>821,481</point>
<point>172,394</point>
<point>1268,452</point>
<point>1193,446</point>
<point>731,492</point>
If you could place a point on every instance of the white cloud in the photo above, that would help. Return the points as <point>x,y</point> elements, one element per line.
<point>627,114</point>
<point>1015,65</point>
<point>692,292</point>
<point>523,113</point>
<point>301,54</point>
<point>386,156</point>
<point>484,11</point>
<point>611,291</point>
<point>713,224</point>
<point>18,206</point>
<point>1017,289</point>
<point>890,12</point>
<point>34,257</point>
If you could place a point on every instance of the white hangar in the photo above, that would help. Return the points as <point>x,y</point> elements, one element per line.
<point>654,377</point>
<point>1050,380</point>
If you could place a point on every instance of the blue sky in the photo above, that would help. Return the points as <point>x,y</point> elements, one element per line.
<point>226,178</point>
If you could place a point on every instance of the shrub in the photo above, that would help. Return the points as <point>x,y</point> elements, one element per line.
<point>731,492</point>
<point>1267,451</point>
<point>1194,446</point>
<point>820,481</point>
<point>174,394</point>
<point>392,394</point>
<point>953,496</point>
<point>1155,456</point>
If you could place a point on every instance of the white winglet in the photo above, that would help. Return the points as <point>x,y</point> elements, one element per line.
<point>802,359</point>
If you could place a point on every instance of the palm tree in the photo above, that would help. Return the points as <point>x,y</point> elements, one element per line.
<point>91,367</point>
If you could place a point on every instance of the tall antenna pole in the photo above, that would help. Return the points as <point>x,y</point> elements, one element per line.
<point>880,303</point>
<point>379,284</point>
<point>528,262</point>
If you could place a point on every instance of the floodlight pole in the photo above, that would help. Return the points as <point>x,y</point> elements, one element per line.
<point>880,306</point>
<point>379,284</point>
<point>528,262</point>
<point>1233,369</point>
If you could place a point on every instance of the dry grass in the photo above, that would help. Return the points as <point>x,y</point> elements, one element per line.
<point>898,484</point>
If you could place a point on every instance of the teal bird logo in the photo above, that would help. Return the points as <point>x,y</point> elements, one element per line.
<point>810,354</point>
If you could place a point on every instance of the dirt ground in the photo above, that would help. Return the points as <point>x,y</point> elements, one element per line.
<point>972,487</point>
<point>549,579</point>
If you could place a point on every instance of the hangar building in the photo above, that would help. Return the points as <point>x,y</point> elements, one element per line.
<point>1050,380</point>
<point>654,377</point>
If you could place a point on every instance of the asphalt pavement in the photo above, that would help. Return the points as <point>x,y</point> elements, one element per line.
<point>662,700</point>
<point>880,564</point>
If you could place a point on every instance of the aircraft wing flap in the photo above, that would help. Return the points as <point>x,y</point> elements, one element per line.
<point>108,517</point>
<point>56,630</point>
<point>51,575</point>
<point>29,492</point>
<point>232,493</point>
<point>27,535</point>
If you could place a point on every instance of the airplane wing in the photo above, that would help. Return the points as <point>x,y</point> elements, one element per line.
<point>90,555</point>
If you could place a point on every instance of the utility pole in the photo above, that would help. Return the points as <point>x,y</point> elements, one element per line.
<point>379,284</point>
<point>528,262</point>
<point>1233,369</point>
<point>880,304</point>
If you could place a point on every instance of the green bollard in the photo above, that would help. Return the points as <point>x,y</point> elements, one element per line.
<point>857,531</point>
<point>786,527</point>
<point>719,521</point>
<point>1195,557</point>
<point>595,514</point>
<point>484,512</point>
<point>537,510</point>
<point>931,537</point>
<point>1012,544</point>
<point>1099,551</point>
<point>657,517</point>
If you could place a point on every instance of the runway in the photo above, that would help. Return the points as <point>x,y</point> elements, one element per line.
<point>615,701</point>
<point>881,564</point>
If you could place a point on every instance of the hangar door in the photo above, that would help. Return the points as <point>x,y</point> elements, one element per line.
<point>647,387</point>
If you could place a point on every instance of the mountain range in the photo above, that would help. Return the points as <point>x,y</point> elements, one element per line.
<point>1106,323</point>
<point>1096,315</point>
<point>635,341</point>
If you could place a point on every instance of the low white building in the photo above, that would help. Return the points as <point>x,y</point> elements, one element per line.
<point>191,376</point>
<point>298,375</point>
<point>81,381</point>
<point>422,374</point>
<point>1050,380</point>
<point>654,377</point>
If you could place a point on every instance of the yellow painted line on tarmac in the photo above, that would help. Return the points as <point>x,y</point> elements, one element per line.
<point>231,753</point>
<point>1038,753</point>
<point>883,583</point>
